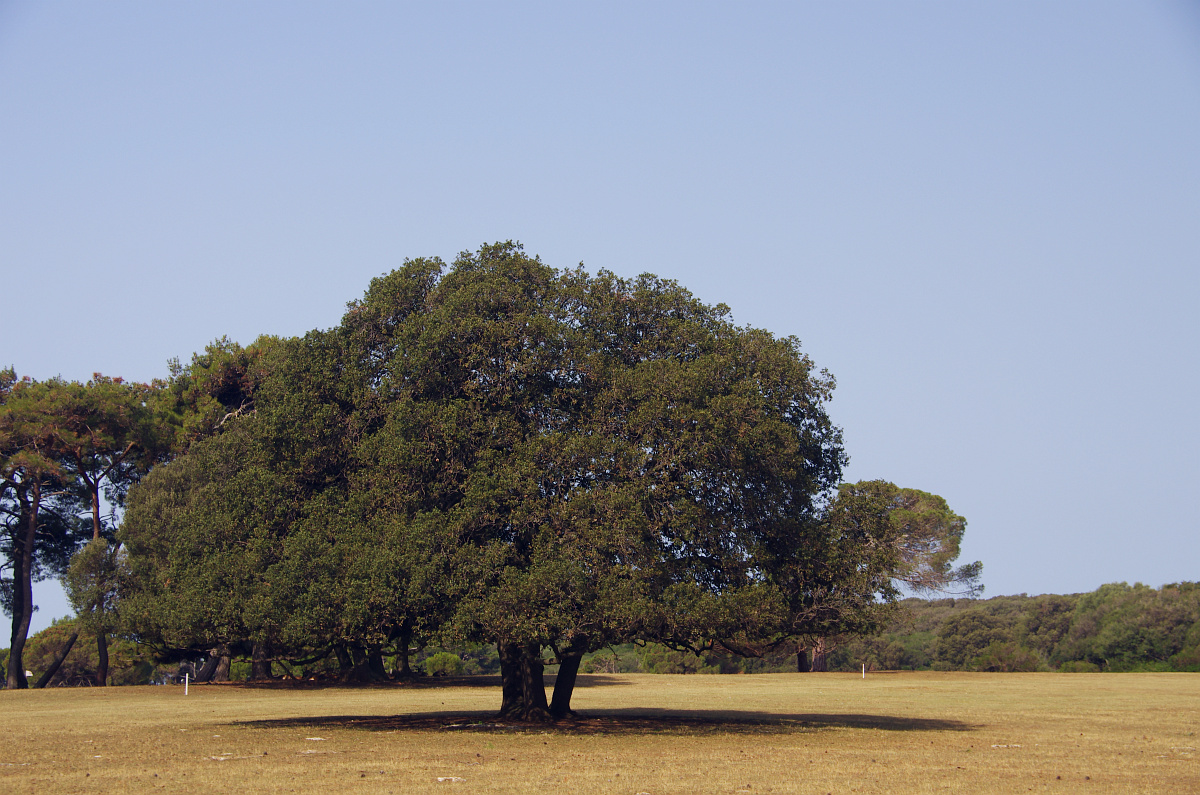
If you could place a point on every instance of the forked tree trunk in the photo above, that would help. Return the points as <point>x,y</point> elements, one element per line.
<point>57,662</point>
<point>564,685</point>
<point>524,691</point>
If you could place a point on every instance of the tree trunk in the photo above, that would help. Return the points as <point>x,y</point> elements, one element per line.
<point>375,665</point>
<point>802,662</point>
<point>366,665</point>
<point>260,666</point>
<point>522,685</point>
<point>58,661</point>
<point>512,704</point>
<point>405,672</point>
<point>564,685</point>
<point>345,664</point>
<point>209,669</point>
<point>102,656</point>
<point>221,674</point>
<point>23,591</point>
<point>820,663</point>
<point>94,488</point>
<point>533,684</point>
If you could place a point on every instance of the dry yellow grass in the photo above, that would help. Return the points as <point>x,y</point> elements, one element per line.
<point>813,733</point>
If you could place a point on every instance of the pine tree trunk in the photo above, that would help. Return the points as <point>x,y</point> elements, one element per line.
<point>57,663</point>
<point>102,656</point>
<point>564,685</point>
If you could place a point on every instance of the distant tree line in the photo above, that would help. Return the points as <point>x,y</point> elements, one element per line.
<point>1117,628</point>
<point>544,462</point>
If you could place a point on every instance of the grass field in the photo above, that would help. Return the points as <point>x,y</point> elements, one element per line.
<point>809,733</point>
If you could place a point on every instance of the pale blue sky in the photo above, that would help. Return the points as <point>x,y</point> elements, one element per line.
<point>983,218</point>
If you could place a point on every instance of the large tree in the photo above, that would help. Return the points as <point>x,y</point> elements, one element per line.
<point>499,451</point>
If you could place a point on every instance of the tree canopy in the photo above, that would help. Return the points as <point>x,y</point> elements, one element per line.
<point>498,451</point>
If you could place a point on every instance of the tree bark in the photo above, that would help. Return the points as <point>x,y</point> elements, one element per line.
<point>45,678</point>
<point>512,704</point>
<point>375,666</point>
<point>522,685</point>
<point>405,672</point>
<point>820,662</point>
<point>533,684</point>
<point>221,674</point>
<point>345,664</point>
<point>102,656</point>
<point>209,669</point>
<point>564,685</point>
<point>802,662</point>
<point>260,666</point>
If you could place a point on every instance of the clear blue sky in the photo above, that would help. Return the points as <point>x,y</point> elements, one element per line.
<point>983,218</point>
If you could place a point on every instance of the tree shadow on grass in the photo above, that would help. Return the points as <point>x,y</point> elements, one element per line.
<point>621,721</point>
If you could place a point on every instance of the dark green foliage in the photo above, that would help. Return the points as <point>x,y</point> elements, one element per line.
<point>965,636</point>
<point>1186,660</point>
<point>1047,621</point>
<point>1121,627</point>
<point>1005,657</point>
<point>501,452</point>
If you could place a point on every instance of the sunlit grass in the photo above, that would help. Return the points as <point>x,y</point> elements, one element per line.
<point>903,732</point>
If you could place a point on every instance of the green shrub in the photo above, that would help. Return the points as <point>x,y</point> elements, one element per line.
<point>444,664</point>
<point>1079,667</point>
<point>1186,660</point>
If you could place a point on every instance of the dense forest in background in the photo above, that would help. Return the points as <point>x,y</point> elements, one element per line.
<point>1116,628</point>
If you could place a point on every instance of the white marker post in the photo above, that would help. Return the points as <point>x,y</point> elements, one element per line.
<point>864,670</point>
<point>185,684</point>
